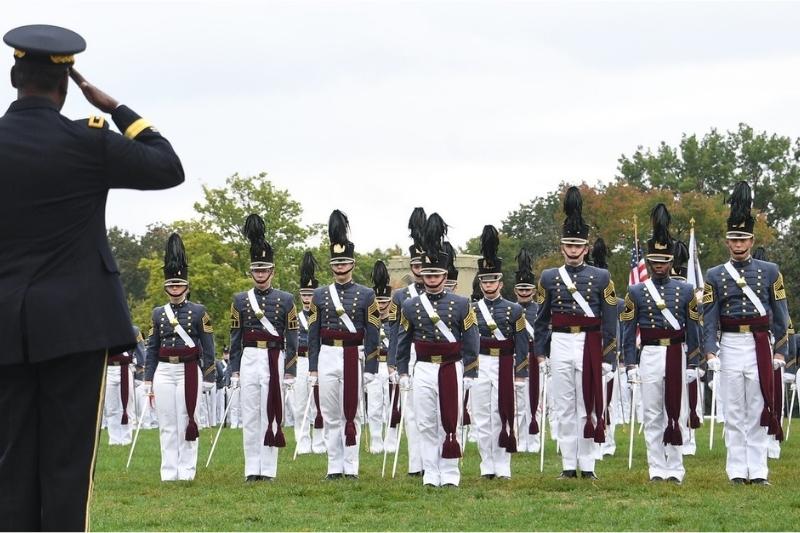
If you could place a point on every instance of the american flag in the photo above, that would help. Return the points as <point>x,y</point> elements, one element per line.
<point>638,268</point>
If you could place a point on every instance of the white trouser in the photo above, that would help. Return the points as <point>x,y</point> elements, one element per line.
<point>112,408</point>
<point>566,365</point>
<point>378,408</point>
<point>690,445</point>
<point>235,413</point>
<point>315,441</point>
<point>746,440</point>
<point>178,455</point>
<point>147,414</point>
<point>206,408</point>
<point>486,418</point>
<point>341,459</point>
<point>774,447</point>
<point>438,471</point>
<point>552,414</point>
<point>259,460</point>
<point>664,460</point>
<point>220,404</point>
<point>413,439</point>
<point>609,447</point>
<point>525,441</point>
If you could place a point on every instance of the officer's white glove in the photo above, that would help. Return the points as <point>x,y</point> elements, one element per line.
<point>691,375</point>
<point>633,375</point>
<point>788,378</point>
<point>234,382</point>
<point>394,376</point>
<point>312,381</point>
<point>778,363</point>
<point>369,377</point>
<point>713,364</point>
<point>468,382</point>
<point>405,382</point>
<point>289,381</point>
<point>607,370</point>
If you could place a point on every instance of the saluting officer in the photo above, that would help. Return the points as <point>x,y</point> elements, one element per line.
<point>745,300</point>
<point>442,328</point>
<point>344,320</point>
<point>502,359</point>
<point>180,346</point>
<point>263,338</point>
<point>665,312</point>
<point>578,307</point>
<point>62,307</point>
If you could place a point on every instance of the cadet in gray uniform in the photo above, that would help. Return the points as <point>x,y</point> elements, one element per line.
<point>416,222</point>
<point>344,317</point>
<point>442,327</point>
<point>745,300</point>
<point>180,345</point>
<point>528,405</point>
<point>577,307</point>
<point>502,359</point>
<point>665,311</point>
<point>263,337</point>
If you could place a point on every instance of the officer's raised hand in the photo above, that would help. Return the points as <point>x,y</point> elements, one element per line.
<point>95,96</point>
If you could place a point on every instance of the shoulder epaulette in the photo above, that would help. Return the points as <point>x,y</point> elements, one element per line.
<point>97,122</point>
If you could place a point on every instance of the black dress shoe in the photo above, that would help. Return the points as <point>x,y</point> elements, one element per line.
<point>429,485</point>
<point>267,478</point>
<point>739,481</point>
<point>333,476</point>
<point>674,480</point>
<point>588,475</point>
<point>449,485</point>
<point>351,476</point>
<point>568,474</point>
<point>251,479</point>
<point>415,474</point>
<point>655,479</point>
<point>488,476</point>
<point>759,481</point>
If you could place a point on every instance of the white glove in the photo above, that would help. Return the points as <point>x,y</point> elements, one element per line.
<point>778,363</point>
<point>394,376</point>
<point>234,382</point>
<point>369,377</point>
<point>711,384</point>
<point>468,383</point>
<point>691,375</point>
<point>289,381</point>
<point>793,386</point>
<point>405,382</point>
<point>519,384</point>
<point>312,380</point>
<point>788,378</point>
<point>713,364</point>
<point>208,386</point>
<point>700,372</point>
<point>607,370</point>
<point>633,375</point>
<point>544,368</point>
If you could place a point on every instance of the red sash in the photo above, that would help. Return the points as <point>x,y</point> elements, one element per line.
<point>505,390</point>
<point>673,380</point>
<point>123,360</point>
<point>188,357</point>
<point>350,382</point>
<point>448,391</point>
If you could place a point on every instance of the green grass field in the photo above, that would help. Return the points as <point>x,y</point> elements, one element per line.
<point>299,499</point>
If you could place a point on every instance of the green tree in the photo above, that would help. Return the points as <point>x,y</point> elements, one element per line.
<point>127,250</point>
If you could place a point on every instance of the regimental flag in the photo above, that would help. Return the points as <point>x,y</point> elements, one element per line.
<point>694,274</point>
<point>638,272</point>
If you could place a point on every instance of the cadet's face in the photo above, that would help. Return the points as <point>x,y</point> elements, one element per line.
<point>175,291</point>
<point>574,253</point>
<point>415,269</point>
<point>659,270</point>
<point>739,248</point>
<point>383,306</point>
<point>524,295</point>
<point>434,282</point>
<point>491,288</point>
<point>262,276</point>
<point>306,298</point>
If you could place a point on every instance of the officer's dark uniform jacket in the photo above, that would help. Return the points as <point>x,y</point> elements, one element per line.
<point>360,305</point>
<point>197,324</point>
<point>723,299</point>
<point>302,343</point>
<point>595,286</point>
<point>278,307</point>
<point>455,312</point>
<point>398,297</point>
<point>510,320</point>
<point>642,312</point>
<point>60,291</point>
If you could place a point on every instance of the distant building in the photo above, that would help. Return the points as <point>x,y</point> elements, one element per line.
<point>467,265</point>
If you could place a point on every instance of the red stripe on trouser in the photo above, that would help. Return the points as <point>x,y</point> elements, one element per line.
<point>448,409</point>
<point>123,391</point>
<point>274,406</point>
<point>505,403</point>
<point>533,393</point>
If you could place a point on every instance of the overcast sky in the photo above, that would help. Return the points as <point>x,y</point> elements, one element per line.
<point>465,108</point>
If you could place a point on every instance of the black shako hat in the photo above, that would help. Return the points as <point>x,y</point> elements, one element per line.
<point>261,254</point>
<point>416,222</point>
<point>660,245</point>
<point>490,267</point>
<point>308,267</point>
<point>575,229</point>
<point>741,221</point>
<point>525,279</point>
<point>680,261</point>
<point>176,266</point>
<point>380,282</point>
<point>45,44</point>
<point>435,259</point>
<point>342,250</point>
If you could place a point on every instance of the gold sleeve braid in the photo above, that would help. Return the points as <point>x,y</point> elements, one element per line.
<point>782,341</point>
<point>630,309</point>
<point>472,366</point>
<point>207,327</point>
<point>470,320</point>
<point>708,293</point>
<point>539,293</point>
<point>291,318</point>
<point>393,312</point>
<point>234,317</point>
<point>779,289</point>
<point>520,325</point>
<point>374,314</point>
<point>611,346</point>
<point>312,313</point>
<point>694,314</point>
<point>292,362</point>
<point>139,337</point>
<point>404,321</point>
<point>609,294</point>
<point>522,365</point>
<point>209,370</point>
